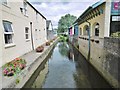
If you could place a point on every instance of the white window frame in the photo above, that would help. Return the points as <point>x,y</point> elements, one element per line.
<point>36,16</point>
<point>27,34</point>
<point>25,8</point>
<point>10,43</point>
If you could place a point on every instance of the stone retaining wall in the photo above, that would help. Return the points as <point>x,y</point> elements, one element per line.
<point>104,57</point>
<point>34,66</point>
<point>25,75</point>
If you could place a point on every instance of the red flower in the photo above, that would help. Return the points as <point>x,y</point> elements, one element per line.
<point>17,59</point>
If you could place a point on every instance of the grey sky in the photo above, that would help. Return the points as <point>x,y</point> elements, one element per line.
<point>53,10</point>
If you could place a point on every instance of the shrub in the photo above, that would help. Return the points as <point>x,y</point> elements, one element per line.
<point>39,49</point>
<point>47,43</point>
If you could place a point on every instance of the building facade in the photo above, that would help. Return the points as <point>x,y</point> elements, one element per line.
<point>95,28</point>
<point>23,28</point>
<point>50,31</point>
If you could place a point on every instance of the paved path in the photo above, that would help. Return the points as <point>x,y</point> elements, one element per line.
<point>30,58</point>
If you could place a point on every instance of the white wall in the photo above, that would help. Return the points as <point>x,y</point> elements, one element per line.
<point>1,36</point>
<point>13,14</point>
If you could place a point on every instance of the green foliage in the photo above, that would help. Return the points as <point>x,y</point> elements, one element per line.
<point>14,67</point>
<point>63,49</point>
<point>117,34</point>
<point>17,81</point>
<point>63,38</point>
<point>65,22</point>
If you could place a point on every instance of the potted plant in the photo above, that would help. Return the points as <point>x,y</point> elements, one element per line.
<point>14,66</point>
<point>39,49</point>
<point>47,43</point>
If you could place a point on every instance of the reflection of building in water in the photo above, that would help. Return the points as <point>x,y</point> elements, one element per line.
<point>71,55</point>
<point>41,77</point>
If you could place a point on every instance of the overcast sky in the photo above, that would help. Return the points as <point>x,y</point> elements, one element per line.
<point>54,9</point>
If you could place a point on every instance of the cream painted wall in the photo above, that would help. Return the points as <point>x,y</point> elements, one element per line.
<point>19,21</point>
<point>98,19</point>
<point>107,18</point>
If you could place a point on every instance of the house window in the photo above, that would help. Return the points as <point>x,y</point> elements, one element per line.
<point>80,31</point>
<point>36,16</point>
<point>8,32</point>
<point>4,2</point>
<point>97,29</point>
<point>25,8</point>
<point>27,33</point>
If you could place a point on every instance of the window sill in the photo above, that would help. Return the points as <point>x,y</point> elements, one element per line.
<point>26,16</point>
<point>27,40</point>
<point>9,45</point>
<point>6,5</point>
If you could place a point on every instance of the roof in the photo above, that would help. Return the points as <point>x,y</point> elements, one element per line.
<point>35,9</point>
<point>88,10</point>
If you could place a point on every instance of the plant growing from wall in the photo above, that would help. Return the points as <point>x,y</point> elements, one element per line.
<point>17,81</point>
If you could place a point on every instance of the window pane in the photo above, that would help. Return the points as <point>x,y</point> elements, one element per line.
<point>26,30</point>
<point>26,33</point>
<point>27,36</point>
<point>4,2</point>
<point>8,38</point>
<point>7,26</point>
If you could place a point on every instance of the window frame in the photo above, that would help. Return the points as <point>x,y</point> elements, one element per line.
<point>97,30</point>
<point>25,8</point>
<point>27,33</point>
<point>8,33</point>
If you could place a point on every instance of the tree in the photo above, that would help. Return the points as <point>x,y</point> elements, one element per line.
<point>65,22</point>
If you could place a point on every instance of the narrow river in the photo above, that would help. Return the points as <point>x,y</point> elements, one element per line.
<point>65,67</point>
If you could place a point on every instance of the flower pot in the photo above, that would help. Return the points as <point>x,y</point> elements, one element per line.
<point>47,43</point>
<point>39,49</point>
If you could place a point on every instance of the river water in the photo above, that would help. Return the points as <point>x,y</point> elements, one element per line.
<point>65,67</point>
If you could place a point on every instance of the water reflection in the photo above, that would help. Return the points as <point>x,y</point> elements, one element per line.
<point>70,53</point>
<point>67,68</point>
<point>39,76</point>
<point>63,48</point>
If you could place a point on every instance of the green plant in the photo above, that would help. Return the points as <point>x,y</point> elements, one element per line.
<point>17,81</point>
<point>47,43</point>
<point>116,34</point>
<point>13,67</point>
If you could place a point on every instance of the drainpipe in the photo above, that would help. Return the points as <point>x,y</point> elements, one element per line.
<point>89,40</point>
<point>31,36</point>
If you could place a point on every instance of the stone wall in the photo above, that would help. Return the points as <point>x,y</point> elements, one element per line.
<point>104,56</point>
<point>112,56</point>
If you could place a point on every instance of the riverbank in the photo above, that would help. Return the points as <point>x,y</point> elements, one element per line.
<point>65,67</point>
<point>93,65</point>
<point>33,60</point>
